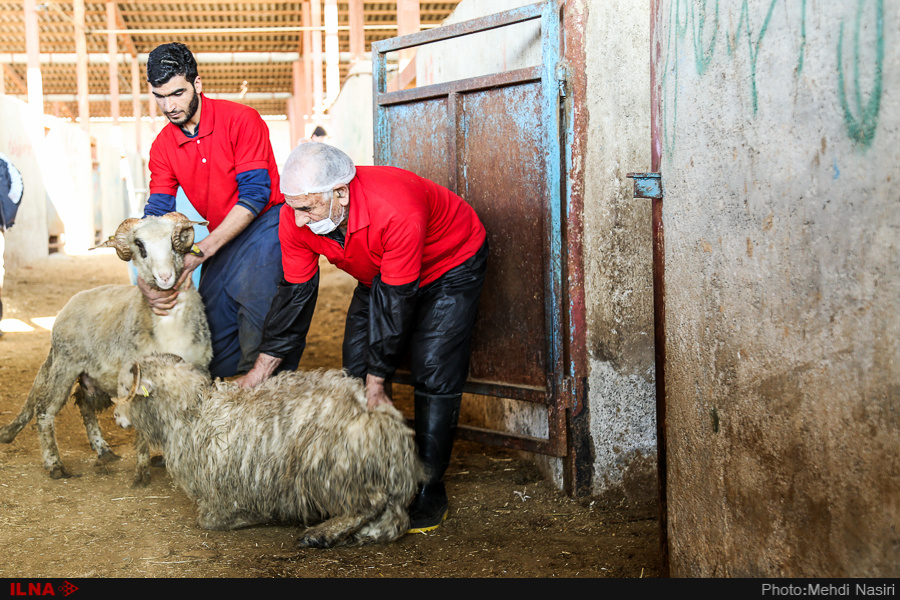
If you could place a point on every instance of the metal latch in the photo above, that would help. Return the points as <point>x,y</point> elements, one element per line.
<point>647,185</point>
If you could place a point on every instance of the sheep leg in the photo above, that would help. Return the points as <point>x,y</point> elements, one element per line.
<point>341,530</point>
<point>46,426</point>
<point>391,524</point>
<point>48,395</point>
<point>333,532</point>
<point>142,468</point>
<point>219,520</point>
<point>9,432</point>
<point>89,399</point>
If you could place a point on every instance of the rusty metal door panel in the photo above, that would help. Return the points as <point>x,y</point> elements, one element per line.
<point>504,182</point>
<point>426,153</point>
<point>495,140</point>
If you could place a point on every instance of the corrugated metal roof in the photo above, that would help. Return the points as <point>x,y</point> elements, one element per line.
<point>206,26</point>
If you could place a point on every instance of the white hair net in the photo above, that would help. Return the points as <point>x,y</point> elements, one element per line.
<point>313,167</point>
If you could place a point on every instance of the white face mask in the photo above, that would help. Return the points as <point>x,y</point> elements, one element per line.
<point>326,226</point>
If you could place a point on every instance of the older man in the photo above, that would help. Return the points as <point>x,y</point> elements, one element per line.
<point>419,253</point>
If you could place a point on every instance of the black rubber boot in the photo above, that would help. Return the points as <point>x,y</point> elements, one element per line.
<point>436,419</point>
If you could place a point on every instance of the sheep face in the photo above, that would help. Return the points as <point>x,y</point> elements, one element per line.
<point>156,246</point>
<point>160,263</point>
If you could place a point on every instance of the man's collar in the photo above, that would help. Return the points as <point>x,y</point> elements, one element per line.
<point>359,216</point>
<point>206,122</point>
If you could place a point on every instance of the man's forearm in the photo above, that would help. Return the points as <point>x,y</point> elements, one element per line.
<point>376,394</point>
<point>263,368</point>
<point>266,364</point>
<point>237,219</point>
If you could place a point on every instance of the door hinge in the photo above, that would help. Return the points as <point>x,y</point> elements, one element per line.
<point>568,390</point>
<point>562,78</point>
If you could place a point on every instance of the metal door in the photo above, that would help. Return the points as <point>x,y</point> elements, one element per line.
<point>496,141</point>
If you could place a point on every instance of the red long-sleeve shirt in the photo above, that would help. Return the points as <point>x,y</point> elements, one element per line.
<point>232,139</point>
<point>401,226</point>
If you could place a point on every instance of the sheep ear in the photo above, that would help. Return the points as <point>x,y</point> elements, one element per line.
<point>142,385</point>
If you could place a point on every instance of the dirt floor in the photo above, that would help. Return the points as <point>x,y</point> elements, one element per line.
<point>505,519</point>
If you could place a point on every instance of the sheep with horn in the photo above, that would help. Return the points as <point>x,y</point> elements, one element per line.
<point>101,329</point>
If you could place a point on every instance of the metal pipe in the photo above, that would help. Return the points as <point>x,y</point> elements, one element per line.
<point>112,49</point>
<point>81,66</point>
<point>146,97</point>
<point>317,59</point>
<point>227,30</point>
<point>307,59</point>
<point>357,36</point>
<point>32,43</point>
<point>332,68</point>
<point>659,289</point>
<point>71,58</point>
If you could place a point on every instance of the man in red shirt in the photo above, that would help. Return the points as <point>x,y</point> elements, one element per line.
<point>219,153</point>
<point>419,253</point>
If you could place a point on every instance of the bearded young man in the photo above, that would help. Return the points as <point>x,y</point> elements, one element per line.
<point>219,153</point>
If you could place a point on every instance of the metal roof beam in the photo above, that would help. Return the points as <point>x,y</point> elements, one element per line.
<point>15,78</point>
<point>146,97</point>
<point>70,58</point>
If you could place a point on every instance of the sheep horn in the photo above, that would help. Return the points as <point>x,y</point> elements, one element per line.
<point>183,234</point>
<point>136,371</point>
<point>119,240</point>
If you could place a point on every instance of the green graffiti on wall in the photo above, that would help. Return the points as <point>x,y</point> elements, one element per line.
<point>701,20</point>
<point>695,21</point>
<point>743,27</point>
<point>703,54</point>
<point>802,39</point>
<point>861,126</point>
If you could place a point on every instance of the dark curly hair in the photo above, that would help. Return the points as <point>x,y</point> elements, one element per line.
<point>167,61</point>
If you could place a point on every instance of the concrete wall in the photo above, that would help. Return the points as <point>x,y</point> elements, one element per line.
<point>64,191</point>
<point>613,139</point>
<point>68,149</point>
<point>495,51</point>
<point>780,141</point>
<point>352,115</point>
<point>617,247</point>
<point>126,178</point>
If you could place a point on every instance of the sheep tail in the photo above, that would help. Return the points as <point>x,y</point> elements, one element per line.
<point>9,432</point>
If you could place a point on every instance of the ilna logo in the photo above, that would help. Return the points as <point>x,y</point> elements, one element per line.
<point>18,588</point>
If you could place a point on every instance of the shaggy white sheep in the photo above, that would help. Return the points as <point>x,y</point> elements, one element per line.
<point>299,448</point>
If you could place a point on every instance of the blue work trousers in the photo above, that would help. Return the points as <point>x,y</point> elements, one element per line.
<point>237,286</point>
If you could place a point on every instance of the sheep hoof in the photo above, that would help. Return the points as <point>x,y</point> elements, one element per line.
<point>59,472</point>
<point>312,541</point>
<point>7,435</point>
<point>141,478</point>
<point>317,537</point>
<point>106,457</point>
